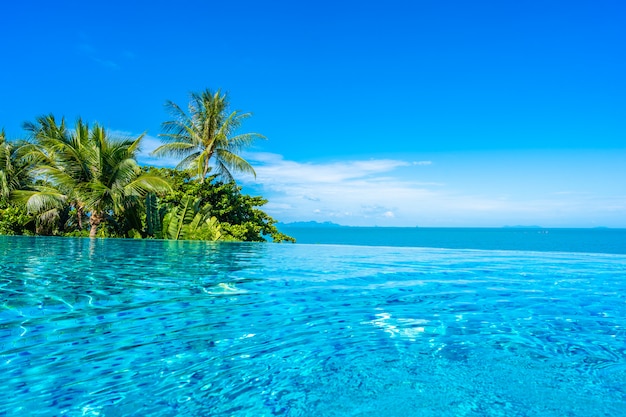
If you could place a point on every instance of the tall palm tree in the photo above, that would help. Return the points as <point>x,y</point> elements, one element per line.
<point>207,135</point>
<point>62,158</point>
<point>96,173</point>
<point>10,168</point>
<point>16,166</point>
<point>116,182</point>
<point>18,174</point>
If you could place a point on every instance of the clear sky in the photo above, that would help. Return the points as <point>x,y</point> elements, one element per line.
<point>394,113</point>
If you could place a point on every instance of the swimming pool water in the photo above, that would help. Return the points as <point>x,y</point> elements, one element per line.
<point>157,328</point>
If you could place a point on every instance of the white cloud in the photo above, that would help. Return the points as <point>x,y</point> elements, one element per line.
<point>349,192</point>
<point>149,144</point>
<point>391,192</point>
<point>106,63</point>
<point>273,165</point>
<point>394,192</point>
<point>88,50</point>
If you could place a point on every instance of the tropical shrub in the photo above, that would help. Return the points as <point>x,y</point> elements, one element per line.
<point>86,182</point>
<point>14,220</point>
<point>189,221</point>
<point>238,214</point>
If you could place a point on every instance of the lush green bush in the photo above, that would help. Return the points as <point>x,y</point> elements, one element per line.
<point>86,182</point>
<point>14,220</point>
<point>213,211</point>
<point>237,214</point>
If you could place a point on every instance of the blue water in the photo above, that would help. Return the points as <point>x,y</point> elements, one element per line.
<point>156,328</point>
<point>528,239</point>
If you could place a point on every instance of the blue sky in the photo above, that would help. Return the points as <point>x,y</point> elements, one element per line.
<point>396,113</point>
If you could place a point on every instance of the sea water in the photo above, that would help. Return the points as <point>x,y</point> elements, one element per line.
<point>157,328</point>
<point>597,240</point>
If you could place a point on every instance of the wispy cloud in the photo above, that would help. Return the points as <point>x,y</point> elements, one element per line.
<point>350,192</point>
<point>90,51</point>
<point>149,144</point>
<point>273,165</point>
<point>393,192</point>
<point>106,63</point>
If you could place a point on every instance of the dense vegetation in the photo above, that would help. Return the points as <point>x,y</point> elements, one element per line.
<point>84,182</point>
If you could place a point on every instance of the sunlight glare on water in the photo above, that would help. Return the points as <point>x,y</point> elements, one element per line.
<point>157,328</point>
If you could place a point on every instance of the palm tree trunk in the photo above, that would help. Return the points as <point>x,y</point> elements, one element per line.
<point>79,216</point>
<point>206,168</point>
<point>95,220</point>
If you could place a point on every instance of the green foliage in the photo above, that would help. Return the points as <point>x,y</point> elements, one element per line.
<point>77,233</point>
<point>92,171</point>
<point>239,214</point>
<point>85,182</point>
<point>14,220</point>
<point>189,221</point>
<point>15,167</point>
<point>154,217</point>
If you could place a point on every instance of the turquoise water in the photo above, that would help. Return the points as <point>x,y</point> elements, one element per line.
<point>528,239</point>
<point>154,328</point>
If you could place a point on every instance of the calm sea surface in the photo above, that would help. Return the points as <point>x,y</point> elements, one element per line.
<point>531,239</point>
<point>157,328</point>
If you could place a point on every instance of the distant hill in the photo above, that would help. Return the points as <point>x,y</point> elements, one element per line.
<point>309,224</point>
<point>522,227</point>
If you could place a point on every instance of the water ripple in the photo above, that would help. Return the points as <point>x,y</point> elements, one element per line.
<point>111,328</point>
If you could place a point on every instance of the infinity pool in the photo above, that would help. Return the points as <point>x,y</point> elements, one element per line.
<point>155,328</point>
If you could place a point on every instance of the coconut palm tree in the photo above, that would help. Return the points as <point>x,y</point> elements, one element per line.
<point>207,135</point>
<point>18,163</point>
<point>62,157</point>
<point>117,182</point>
<point>96,173</point>
<point>14,168</point>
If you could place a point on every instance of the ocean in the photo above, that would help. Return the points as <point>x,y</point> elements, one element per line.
<point>517,239</point>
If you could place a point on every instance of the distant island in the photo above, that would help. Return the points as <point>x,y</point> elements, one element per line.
<point>310,224</point>
<point>522,227</point>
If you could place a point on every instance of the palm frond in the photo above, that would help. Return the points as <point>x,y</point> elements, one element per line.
<point>123,172</point>
<point>40,200</point>
<point>244,140</point>
<point>147,183</point>
<point>222,171</point>
<point>177,149</point>
<point>234,161</point>
<point>190,162</point>
<point>206,133</point>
